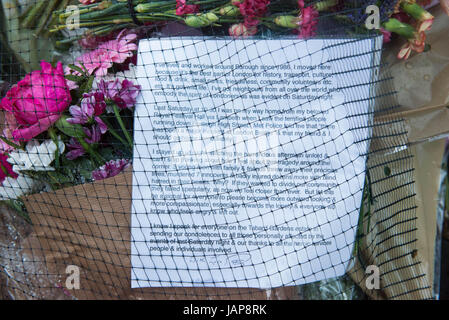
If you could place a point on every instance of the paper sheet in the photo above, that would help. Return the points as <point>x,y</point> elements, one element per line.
<point>249,159</point>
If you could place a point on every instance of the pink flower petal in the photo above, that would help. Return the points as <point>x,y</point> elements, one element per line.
<point>27,133</point>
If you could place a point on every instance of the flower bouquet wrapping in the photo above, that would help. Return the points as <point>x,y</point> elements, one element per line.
<point>60,131</point>
<point>67,125</point>
<point>66,157</point>
<point>66,145</point>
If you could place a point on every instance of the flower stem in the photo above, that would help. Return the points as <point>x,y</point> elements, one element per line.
<point>62,14</point>
<point>91,151</point>
<point>34,54</point>
<point>416,11</point>
<point>103,13</point>
<point>46,16</point>
<point>54,137</point>
<point>12,144</point>
<point>5,171</point>
<point>94,32</point>
<point>114,133</point>
<point>324,5</point>
<point>122,125</point>
<point>153,6</point>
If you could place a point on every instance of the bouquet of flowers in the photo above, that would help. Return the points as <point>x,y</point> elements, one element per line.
<point>407,19</point>
<point>67,126</point>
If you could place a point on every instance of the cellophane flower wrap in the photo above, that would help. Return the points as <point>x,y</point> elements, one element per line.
<point>69,124</point>
<point>76,114</point>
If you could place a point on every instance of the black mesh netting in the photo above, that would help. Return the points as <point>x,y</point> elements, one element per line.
<point>154,156</point>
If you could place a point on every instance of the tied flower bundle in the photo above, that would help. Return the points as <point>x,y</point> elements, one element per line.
<point>67,126</point>
<point>405,19</point>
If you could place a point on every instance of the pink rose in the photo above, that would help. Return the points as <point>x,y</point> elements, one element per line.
<point>37,101</point>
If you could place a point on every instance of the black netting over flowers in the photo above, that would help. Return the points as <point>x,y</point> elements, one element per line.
<point>205,149</point>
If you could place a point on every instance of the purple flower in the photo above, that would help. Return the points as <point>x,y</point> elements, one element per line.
<point>92,105</point>
<point>109,89</point>
<point>110,169</point>
<point>76,151</point>
<point>93,134</point>
<point>124,94</point>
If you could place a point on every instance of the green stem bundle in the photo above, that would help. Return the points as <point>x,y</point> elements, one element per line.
<point>95,155</point>
<point>122,125</point>
<point>115,134</point>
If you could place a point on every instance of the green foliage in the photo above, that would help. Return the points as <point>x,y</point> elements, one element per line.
<point>18,206</point>
<point>83,80</point>
<point>71,130</point>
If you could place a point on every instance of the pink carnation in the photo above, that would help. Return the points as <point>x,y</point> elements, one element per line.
<point>251,10</point>
<point>182,8</point>
<point>386,35</point>
<point>120,49</point>
<point>309,21</point>
<point>98,61</point>
<point>418,44</point>
<point>240,30</point>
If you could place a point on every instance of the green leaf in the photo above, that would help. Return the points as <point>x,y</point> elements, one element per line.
<point>71,130</point>
<point>86,86</point>
<point>74,78</point>
<point>59,177</point>
<point>19,207</point>
<point>10,143</point>
<point>90,83</point>
<point>107,153</point>
<point>76,68</point>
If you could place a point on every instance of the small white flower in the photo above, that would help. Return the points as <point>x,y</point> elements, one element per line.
<point>36,157</point>
<point>14,188</point>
